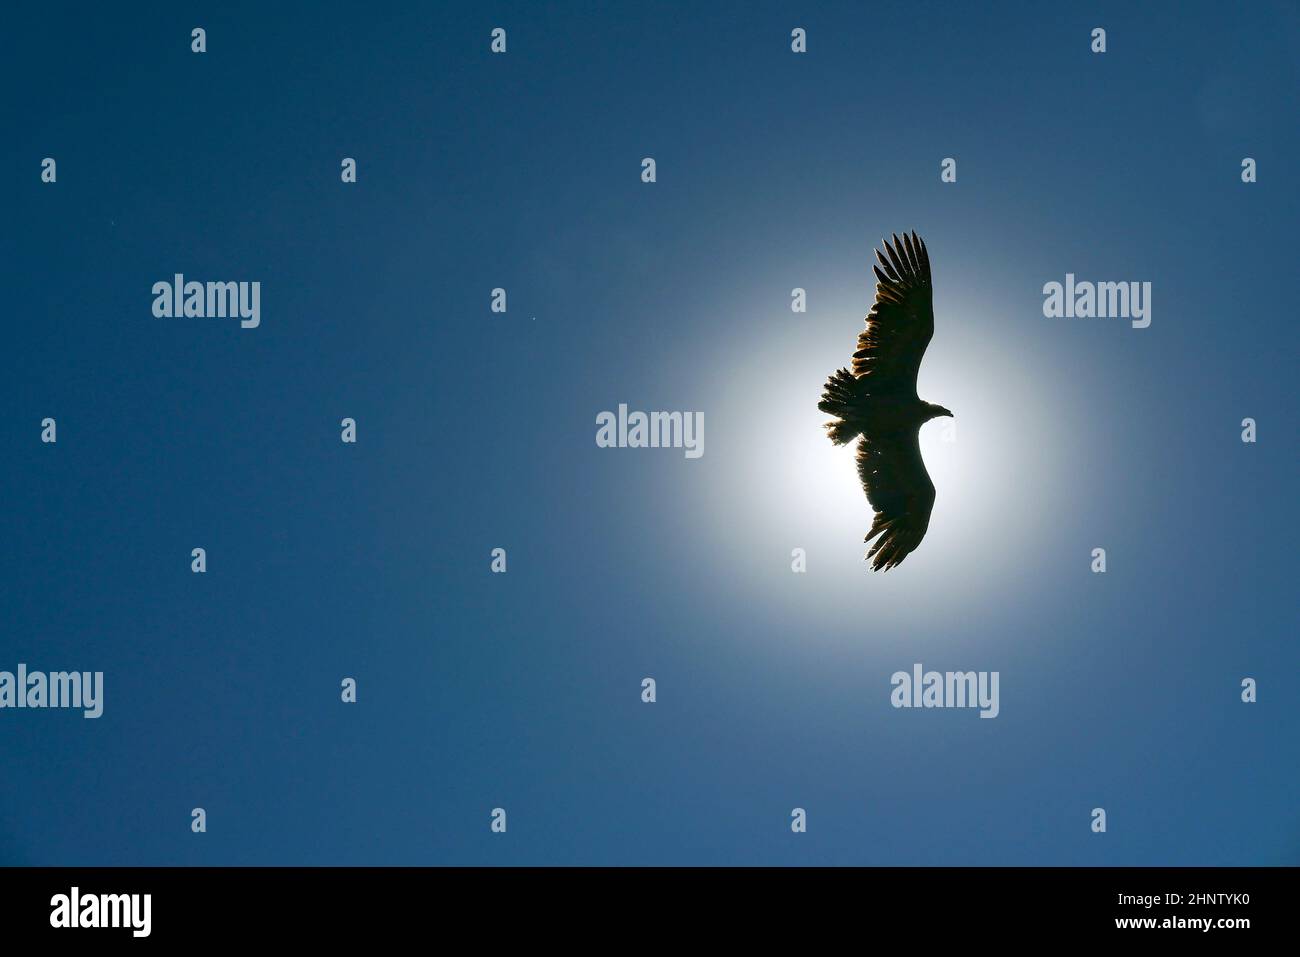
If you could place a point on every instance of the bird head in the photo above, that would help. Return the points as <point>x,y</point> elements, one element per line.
<point>937,410</point>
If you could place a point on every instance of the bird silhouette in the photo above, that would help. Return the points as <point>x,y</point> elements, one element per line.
<point>878,402</point>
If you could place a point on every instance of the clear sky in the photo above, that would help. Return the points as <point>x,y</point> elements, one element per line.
<point>476,430</point>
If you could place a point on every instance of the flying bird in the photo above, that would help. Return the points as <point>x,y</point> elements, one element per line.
<point>878,402</point>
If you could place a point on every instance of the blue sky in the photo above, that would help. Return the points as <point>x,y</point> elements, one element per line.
<point>476,430</point>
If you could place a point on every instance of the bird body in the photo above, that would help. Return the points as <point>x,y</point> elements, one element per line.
<point>877,415</point>
<point>877,402</point>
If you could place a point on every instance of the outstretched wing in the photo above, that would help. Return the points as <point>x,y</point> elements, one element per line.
<point>899,489</point>
<point>901,322</point>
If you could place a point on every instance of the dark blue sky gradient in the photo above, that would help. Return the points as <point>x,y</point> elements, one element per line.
<point>477,430</point>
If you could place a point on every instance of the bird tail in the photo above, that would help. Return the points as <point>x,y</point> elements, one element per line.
<point>841,395</point>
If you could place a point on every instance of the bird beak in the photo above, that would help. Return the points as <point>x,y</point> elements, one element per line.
<point>948,414</point>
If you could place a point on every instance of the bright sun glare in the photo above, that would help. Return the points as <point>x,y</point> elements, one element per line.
<point>787,485</point>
